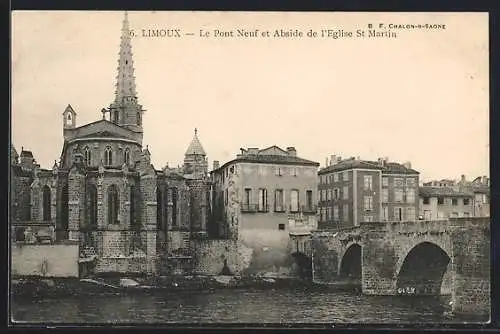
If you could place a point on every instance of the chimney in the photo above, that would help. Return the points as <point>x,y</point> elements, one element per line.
<point>339,158</point>
<point>216,165</point>
<point>326,162</point>
<point>485,180</point>
<point>333,160</point>
<point>407,164</point>
<point>462,178</point>
<point>291,151</point>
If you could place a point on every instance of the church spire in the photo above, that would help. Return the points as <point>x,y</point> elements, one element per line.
<point>125,111</point>
<point>125,80</point>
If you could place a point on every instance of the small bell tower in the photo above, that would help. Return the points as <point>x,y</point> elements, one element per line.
<point>69,118</point>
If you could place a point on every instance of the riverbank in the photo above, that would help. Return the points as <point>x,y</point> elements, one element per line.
<point>39,287</point>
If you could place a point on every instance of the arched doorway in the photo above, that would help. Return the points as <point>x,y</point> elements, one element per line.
<point>422,270</point>
<point>304,265</point>
<point>350,265</point>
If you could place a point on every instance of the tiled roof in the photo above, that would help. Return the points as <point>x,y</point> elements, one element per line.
<point>388,168</point>
<point>103,134</point>
<point>195,148</point>
<point>270,159</point>
<point>26,154</point>
<point>443,191</point>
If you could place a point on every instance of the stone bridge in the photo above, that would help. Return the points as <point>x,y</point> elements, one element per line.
<point>410,258</point>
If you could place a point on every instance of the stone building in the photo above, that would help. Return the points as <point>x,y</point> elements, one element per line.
<point>105,194</point>
<point>354,190</point>
<point>256,196</point>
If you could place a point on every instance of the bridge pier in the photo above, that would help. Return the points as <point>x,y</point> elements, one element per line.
<point>471,284</point>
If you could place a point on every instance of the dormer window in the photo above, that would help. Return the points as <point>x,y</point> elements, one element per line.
<point>108,156</point>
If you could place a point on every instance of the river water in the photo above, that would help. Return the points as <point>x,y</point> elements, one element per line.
<point>238,306</point>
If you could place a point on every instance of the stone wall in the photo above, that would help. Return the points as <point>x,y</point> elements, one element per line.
<point>209,256</point>
<point>45,260</point>
<point>20,192</point>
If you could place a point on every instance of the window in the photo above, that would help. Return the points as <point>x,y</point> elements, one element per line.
<point>466,214</point>
<point>277,171</point>
<point>454,214</point>
<point>126,156</point>
<point>335,213</point>
<point>293,171</point>
<point>336,193</point>
<point>368,218</point>
<point>345,193</point>
<point>427,214</point>
<point>454,201</point>
<point>226,197</point>
<point>368,203</point>
<point>335,177</point>
<point>138,118</point>
<point>113,205</point>
<point>385,195</point>
<point>385,181</point>
<point>159,209</point>
<point>87,156</point>
<point>398,214</point>
<point>309,199</point>
<point>398,182</point>
<point>426,200</point>
<point>345,176</point>
<point>410,182</point>
<point>398,195</point>
<point>321,195</point>
<point>133,221</point>
<point>263,200</point>
<point>345,212</point>
<point>278,200</point>
<point>440,200</point>
<point>329,195</point>
<point>368,182</point>
<point>410,214</point>
<point>246,199</point>
<point>281,227</point>
<point>92,204</point>
<point>385,213</point>
<point>328,213</point>
<point>47,203</point>
<point>410,196</point>
<point>322,214</point>
<point>174,206</point>
<point>294,200</point>
<point>108,156</point>
<point>466,201</point>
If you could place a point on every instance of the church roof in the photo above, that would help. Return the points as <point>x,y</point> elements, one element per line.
<point>13,154</point>
<point>195,148</point>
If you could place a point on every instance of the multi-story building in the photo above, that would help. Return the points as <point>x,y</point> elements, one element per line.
<point>352,191</point>
<point>254,198</point>
<point>450,198</point>
<point>442,202</point>
<point>106,195</point>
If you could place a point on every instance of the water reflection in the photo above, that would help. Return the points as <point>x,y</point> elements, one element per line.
<point>237,307</point>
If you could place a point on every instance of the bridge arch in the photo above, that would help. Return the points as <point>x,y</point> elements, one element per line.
<point>422,269</point>
<point>350,262</point>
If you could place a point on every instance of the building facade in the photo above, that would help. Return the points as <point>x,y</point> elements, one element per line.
<point>105,194</point>
<point>352,191</point>
<point>449,198</point>
<point>256,197</point>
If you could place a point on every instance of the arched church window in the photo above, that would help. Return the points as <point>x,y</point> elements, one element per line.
<point>69,117</point>
<point>133,221</point>
<point>115,117</point>
<point>126,157</point>
<point>138,118</point>
<point>159,209</point>
<point>46,203</point>
<point>113,205</point>
<point>92,205</point>
<point>87,156</point>
<point>108,156</point>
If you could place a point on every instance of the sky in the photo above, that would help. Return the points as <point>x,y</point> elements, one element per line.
<point>421,97</point>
